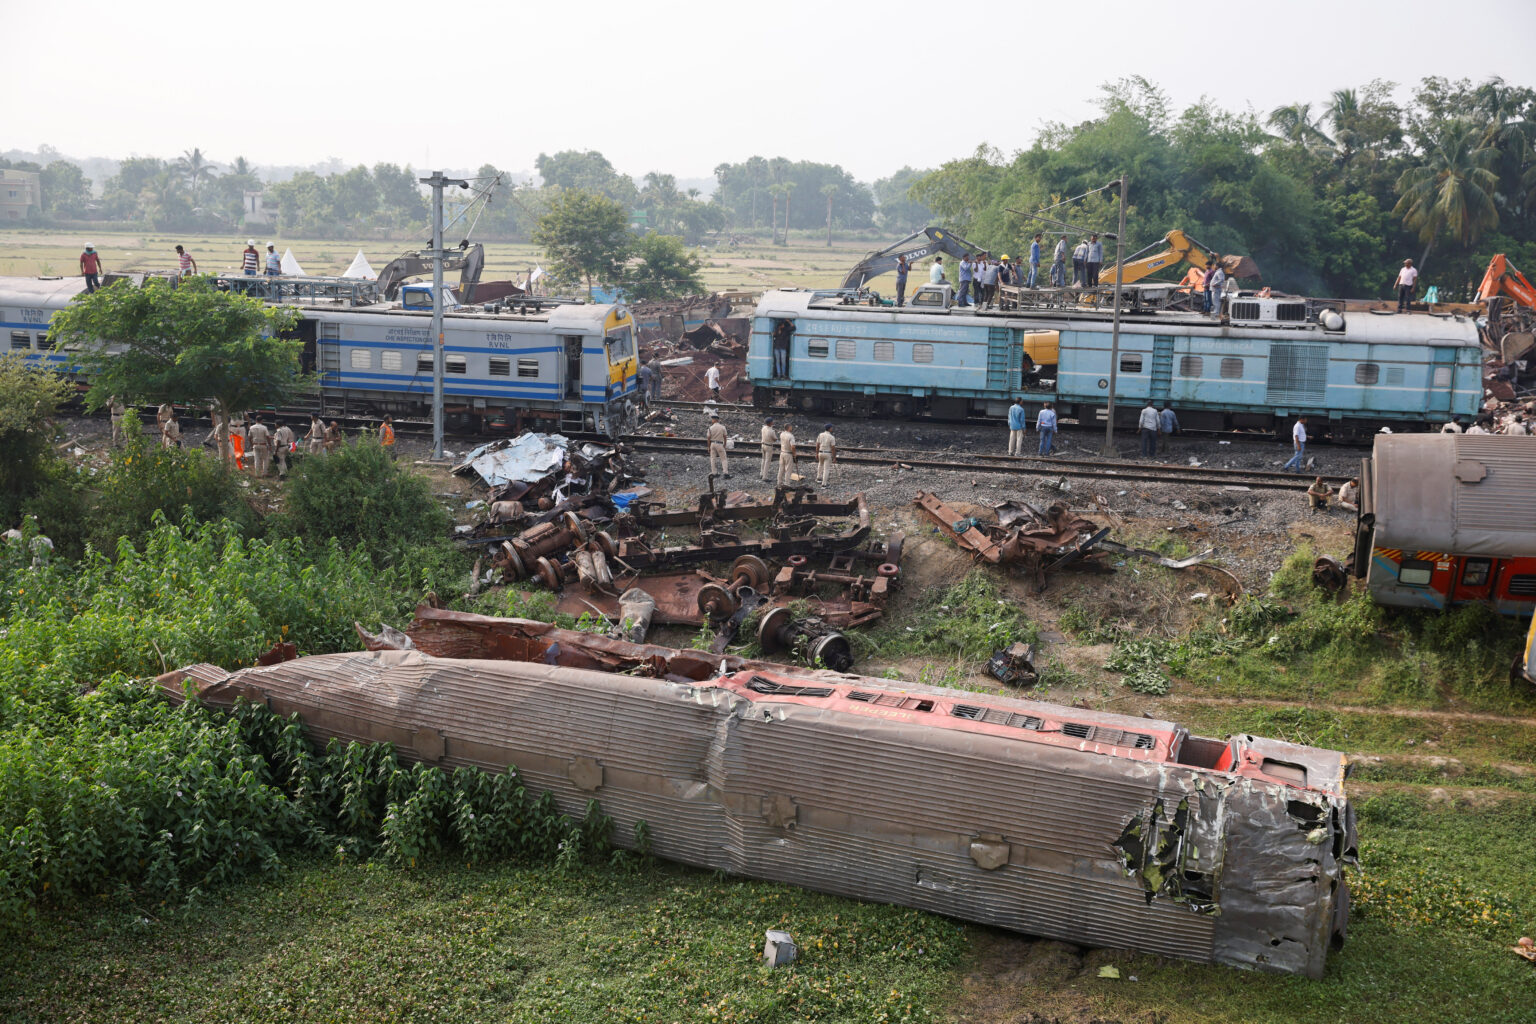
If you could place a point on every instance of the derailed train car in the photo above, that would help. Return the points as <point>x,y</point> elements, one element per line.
<point>1075,825</point>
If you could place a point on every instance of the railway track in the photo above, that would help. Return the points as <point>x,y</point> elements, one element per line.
<point>1201,476</point>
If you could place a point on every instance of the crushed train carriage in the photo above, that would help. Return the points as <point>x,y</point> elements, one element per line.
<point>1077,825</point>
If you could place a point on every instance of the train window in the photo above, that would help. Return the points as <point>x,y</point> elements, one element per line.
<point>1476,572</point>
<point>20,339</point>
<point>500,366</point>
<point>619,345</point>
<point>390,360</point>
<point>1442,377</point>
<point>1130,362</point>
<point>527,367</point>
<point>1394,376</point>
<point>361,359</point>
<point>424,362</point>
<point>885,351</point>
<point>1367,373</point>
<point>847,348</point>
<point>456,364</point>
<point>816,348</point>
<point>1191,366</point>
<point>922,352</point>
<point>1231,368</point>
<point>1415,573</point>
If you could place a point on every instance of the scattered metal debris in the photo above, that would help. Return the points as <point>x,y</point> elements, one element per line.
<point>1014,666</point>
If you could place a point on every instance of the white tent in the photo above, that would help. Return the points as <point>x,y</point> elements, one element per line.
<point>360,268</point>
<point>291,266</point>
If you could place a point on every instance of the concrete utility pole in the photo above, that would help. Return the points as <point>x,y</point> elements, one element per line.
<point>1114,337</point>
<point>438,183</point>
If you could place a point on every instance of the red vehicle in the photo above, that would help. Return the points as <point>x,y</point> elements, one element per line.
<point>1446,519</point>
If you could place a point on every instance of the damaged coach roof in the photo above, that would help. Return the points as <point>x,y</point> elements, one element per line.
<point>1465,494</point>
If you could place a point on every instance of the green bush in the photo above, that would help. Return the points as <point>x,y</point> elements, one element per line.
<point>966,621</point>
<point>144,479</point>
<point>361,498</point>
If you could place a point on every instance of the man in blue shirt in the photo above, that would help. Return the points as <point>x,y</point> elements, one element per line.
<point>967,275</point>
<point>902,269</point>
<point>1034,261</point>
<point>1018,422</point>
<point>1046,424</point>
<point>1170,422</point>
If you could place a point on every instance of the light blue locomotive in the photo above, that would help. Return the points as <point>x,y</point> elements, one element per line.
<point>569,366</point>
<point>1268,360</point>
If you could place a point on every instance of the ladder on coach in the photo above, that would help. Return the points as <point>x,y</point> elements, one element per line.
<point>1162,368</point>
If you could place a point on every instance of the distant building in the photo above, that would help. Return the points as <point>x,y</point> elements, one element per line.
<point>19,192</point>
<point>255,214</point>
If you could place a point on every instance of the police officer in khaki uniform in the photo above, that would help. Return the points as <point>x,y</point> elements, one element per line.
<point>787,455</point>
<point>768,439</point>
<point>826,454</point>
<point>716,438</point>
<point>282,440</point>
<point>260,440</point>
<point>116,408</point>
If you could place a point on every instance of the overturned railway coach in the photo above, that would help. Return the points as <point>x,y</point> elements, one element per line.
<point>572,366</point>
<point>1266,362</point>
<point>1077,825</point>
<point>1445,520</point>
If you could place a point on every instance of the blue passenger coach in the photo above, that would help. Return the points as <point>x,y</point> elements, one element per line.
<point>1265,362</point>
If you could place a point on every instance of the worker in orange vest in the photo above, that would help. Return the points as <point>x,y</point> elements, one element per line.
<point>387,434</point>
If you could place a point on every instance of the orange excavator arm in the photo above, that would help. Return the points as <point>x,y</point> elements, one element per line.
<point>1503,279</point>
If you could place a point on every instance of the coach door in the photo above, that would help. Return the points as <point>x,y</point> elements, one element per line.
<point>572,345</point>
<point>1442,381</point>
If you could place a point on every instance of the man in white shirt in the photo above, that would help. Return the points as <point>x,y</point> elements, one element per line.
<point>712,378</point>
<point>1059,264</point>
<point>1093,260</point>
<point>1406,279</point>
<point>1299,443</point>
<point>1452,426</point>
<point>1149,424</point>
<point>936,272</point>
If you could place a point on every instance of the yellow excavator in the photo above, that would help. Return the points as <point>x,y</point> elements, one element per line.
<point>1176,247</point>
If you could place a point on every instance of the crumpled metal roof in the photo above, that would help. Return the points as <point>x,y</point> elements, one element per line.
<point>527,458</point>
<point>1463,494</point>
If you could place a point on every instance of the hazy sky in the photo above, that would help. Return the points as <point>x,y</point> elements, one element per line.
<point>680,87</point>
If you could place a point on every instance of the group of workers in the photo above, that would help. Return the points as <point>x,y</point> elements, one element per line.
<point>251,262</point>
<point>254,444</point>
<point>773,438</point>
<point>1018,425</point>
<point>1320,494</point>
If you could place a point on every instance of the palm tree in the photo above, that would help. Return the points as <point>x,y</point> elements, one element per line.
<point>1344,115</point>
<point>775,191</point>
<point>757,174</point>
<point>196,169</point>
<point>1452,190</point>
<point>1296,125</point>
<point>829,190</point>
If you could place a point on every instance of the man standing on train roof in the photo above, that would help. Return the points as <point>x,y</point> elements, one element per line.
<point>1093,260</point>
<point>1018,422</point>
<point>902,269</point>
<point>826,455</point>
<point>1034,261</point>
<point>274,261</point>
<point>1215,284</point>
<point>767,438</point>
<point>1406,279</point>
<point>250,259</point>
<point>715,437</point>
<point>1298,443</point>
<point>967,279</point>
<point>989,275</point>
<point>90,268</point>
<point>712,379</point>
<point>186,266</point>
<point>787,456</point>
<point>1045,423</point>
<point>1149,424</point>
<point>1079,261</point>
<point>1059,263</point>
<point>936,272</point>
